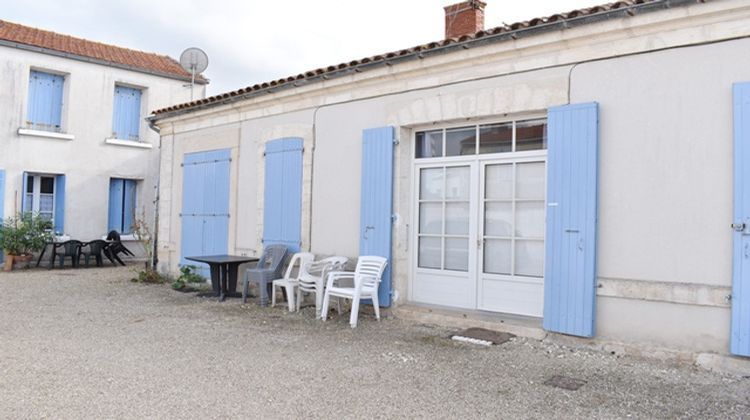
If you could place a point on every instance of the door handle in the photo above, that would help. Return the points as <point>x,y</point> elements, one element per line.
<point>367,228</point>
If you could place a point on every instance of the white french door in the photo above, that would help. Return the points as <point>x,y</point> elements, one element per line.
<point>511,229</point>
<point>479,233</point>
<point>445,234</point>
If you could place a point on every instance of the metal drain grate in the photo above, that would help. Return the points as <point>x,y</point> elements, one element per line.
<point>564,382</point>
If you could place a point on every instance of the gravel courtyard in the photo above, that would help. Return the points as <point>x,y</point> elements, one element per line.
<point>91,344</point>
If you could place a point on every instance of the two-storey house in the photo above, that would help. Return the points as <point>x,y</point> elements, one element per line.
<point>74,144</point>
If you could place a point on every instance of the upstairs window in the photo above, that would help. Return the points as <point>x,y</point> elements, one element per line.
<point>126,121</point>
<point>45,101</point>
<point>122,205</point>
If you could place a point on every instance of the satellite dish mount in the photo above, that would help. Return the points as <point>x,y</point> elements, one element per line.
<point>195,61</point>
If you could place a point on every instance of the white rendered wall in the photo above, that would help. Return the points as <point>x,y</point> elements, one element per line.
<point>666,191</point>
<point>87,161</point>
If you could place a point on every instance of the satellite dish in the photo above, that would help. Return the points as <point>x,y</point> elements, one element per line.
<point>195,61</point>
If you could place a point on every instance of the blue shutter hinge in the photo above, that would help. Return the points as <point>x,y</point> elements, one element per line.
<point>394,217</point>
<point>396,142</point>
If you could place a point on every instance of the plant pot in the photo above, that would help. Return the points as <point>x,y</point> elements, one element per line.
<point>22,261</point>
<point>8,262</point>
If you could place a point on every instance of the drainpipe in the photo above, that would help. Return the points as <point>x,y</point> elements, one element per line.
<point>155,233</point>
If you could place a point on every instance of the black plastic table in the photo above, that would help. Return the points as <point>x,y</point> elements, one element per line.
<point>223,272</point>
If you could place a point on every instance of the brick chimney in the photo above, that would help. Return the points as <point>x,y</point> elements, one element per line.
<point>465,18</point>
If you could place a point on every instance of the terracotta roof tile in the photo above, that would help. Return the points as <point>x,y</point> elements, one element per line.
<point>137,60</point>
<point>512,30</point>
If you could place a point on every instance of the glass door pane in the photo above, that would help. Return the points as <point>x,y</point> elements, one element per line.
<point>431,184</point>
<point>430,218</point>
<point>497,256</point>
<point>530,180</point>
<point>430,249</point>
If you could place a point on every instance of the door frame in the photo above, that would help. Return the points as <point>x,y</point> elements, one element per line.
<point>477,163</point>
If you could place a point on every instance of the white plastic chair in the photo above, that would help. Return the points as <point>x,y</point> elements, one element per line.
<point>366,279</point>
<point>312,279</point>
<point>289,283</point>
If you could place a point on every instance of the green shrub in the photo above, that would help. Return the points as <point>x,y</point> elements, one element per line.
<point>25,234</point>
<point>150,276</point>
<point>187,275</point>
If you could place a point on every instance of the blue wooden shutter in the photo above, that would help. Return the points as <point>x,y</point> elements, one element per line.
<point>128,205</point>
<point>282,195</point>
<point>570,241</point>
<point>740,325</point>
<point>376,203</point>
<point>60,203</point>
<point>44,108</point>
<point>205,206</point>
<point>122,205</point>
<point>216,202</point>
<point>115,204</point>
<point>2,206</point>
<point>25,205</point>
<point>127,113</point>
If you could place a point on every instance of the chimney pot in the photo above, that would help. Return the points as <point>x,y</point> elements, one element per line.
<point>465,18</point>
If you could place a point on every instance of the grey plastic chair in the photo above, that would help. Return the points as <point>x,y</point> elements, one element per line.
<point>268,269</point>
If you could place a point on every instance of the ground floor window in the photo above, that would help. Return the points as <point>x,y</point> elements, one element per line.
<point>39,195</point>
<point>122,205</point>
<point>480,216</point>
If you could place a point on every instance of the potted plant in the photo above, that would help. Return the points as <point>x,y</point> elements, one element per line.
<point>22,235</point>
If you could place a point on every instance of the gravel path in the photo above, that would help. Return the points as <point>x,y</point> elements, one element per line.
<point>91,344</point>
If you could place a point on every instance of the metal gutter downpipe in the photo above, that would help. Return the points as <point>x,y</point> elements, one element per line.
<point>155,234</point>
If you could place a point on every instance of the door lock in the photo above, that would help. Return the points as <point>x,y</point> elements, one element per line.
<point>738,227</point>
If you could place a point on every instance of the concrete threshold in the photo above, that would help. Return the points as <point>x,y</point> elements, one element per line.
<point>531,327</point>
<point>521,326</point>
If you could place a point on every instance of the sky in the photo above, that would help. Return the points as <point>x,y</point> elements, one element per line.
<point>254,41</point>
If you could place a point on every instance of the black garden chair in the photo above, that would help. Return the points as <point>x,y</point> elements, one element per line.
<point>94,249</point>
<point>70,249</point>
<point>116,247</point>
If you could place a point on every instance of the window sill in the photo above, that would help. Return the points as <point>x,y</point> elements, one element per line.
<point>129,143</point>
<point>128,238</point>
<point>45,134</point>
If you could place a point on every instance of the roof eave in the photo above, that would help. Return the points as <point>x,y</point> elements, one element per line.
<point>628,11</point>
<point>48,51</point>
